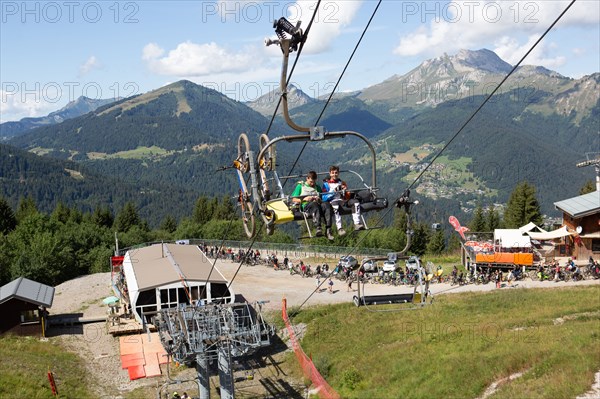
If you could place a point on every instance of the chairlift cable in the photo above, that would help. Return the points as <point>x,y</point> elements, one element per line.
<point>453,137</point>
<point>225,234</point>
<point>336,85</point>
<point>464,125</point>
<point>244,258</point>
<point>348,63</point>
<point>352,250</point>
<point>477,111</point>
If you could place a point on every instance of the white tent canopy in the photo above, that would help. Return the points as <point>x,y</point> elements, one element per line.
<point>530,226</point>
<point>511,238</point>
<point>550,235</point>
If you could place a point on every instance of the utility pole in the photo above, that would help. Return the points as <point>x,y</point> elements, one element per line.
<point>592,161</point>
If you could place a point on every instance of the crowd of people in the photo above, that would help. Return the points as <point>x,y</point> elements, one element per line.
<point>550,271</point>
<point>570,271</point>
<point>474,274</point>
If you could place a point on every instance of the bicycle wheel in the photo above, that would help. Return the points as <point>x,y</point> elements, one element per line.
<point>248,218</point>
<point>267,161</point>
<point>243,148</point>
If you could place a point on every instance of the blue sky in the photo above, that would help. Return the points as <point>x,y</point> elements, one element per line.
<point>52,52</point>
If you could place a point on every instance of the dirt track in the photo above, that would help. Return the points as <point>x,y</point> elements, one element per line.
<point>256,283</point>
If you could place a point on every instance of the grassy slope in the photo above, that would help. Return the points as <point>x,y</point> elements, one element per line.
<point>461,345</point>
<point>23,371</point>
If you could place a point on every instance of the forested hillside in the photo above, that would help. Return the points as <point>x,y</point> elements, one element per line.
<point>506,144</point>
<point>73,109</point>
<point>181,115</point>
<point>49,182</point>
<point>179,139</point>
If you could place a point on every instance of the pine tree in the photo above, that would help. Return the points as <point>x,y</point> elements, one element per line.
<point>225,209</point>
<point>437,243</point>
<point>589,187</point>
<point>169,224</point>
<point>61,213</point>
<point>26,208</point>
<point>103,217</point>
<point>400,219</point>
<point>492,219</point>
<point>523,207</point>
<point>477,224</point>
<point>420,239</point>
<point>127,218</point>
<point>453,243</point>
<point>8,221</point>
<point>203,211</point>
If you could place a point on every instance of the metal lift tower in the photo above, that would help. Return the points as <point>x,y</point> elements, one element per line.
<point>592,160</point>
<point>213,332</point>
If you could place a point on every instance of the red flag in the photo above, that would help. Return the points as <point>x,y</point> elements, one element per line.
<point>456,224</point>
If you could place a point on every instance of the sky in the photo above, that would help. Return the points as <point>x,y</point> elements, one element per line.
<point>52,52</point>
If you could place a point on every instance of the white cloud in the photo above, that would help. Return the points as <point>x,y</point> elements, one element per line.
<point>152,51</point>
<point>89,65</point>
<point>14,107</point>
<point>331,19</point>
<point>511,51</point>
<point>191,59</point>
<point>201,62</point>
<point>512,25</point>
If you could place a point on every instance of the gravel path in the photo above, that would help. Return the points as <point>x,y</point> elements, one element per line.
<point>101,352</point>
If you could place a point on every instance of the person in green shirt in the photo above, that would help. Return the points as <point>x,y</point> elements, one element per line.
<point>307,195</point>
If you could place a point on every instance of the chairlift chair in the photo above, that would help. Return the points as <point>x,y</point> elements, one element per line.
<point>265,197</point>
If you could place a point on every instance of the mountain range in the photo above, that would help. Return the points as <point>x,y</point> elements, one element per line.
<point>473,73</point>
<point>535,128</point>
<point>266,103</point>
<point>73,109</point>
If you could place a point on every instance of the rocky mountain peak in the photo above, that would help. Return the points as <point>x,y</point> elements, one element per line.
<point>484,59</point>
<point>266,103</point>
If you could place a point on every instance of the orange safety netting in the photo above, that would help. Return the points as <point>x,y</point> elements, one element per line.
<point>310,371</point>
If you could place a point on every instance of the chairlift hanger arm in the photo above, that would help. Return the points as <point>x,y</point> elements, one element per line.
<point>405,202</point>
<point>289,37</point>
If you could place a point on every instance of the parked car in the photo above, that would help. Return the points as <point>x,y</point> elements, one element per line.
<point>349,262</point>
<point>389,266</point>
<point>369,266</point>
<point>413,262</point>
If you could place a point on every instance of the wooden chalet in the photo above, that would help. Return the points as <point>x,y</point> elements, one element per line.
<point>581,215</point>
<point>23,305</point>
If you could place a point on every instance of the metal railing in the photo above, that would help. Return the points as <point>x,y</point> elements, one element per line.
<point>290,250</point>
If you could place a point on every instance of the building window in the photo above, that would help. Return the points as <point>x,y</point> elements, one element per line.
<point>595,244</point>
<point>219,290</point>
<point>30,316</point>
<point>183,296</point>
<point>198,292</point>
<point>147,297</point>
